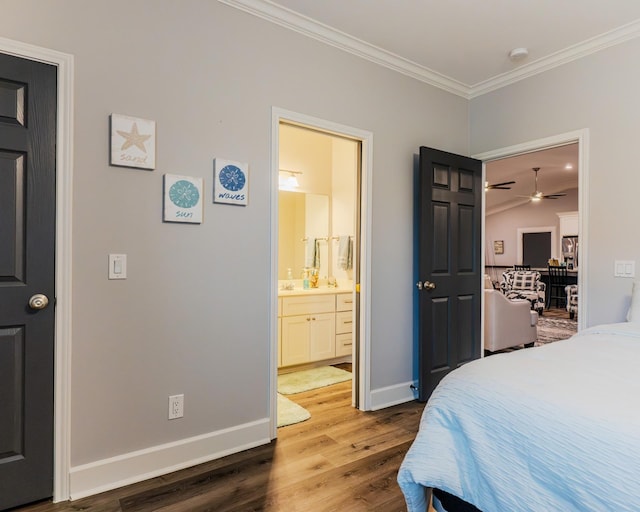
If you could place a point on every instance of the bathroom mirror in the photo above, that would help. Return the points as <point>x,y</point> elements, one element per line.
<point>303,220</point>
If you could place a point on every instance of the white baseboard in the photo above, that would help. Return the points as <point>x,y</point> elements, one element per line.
<point>104,475</point>
<point>393,395</point>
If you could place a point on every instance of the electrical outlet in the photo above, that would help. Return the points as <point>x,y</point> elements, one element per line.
<point>176,406</point>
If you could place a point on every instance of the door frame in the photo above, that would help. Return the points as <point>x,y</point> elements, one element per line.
<point>581,137</point>
<point>278,115</point>
<point>63,268</point>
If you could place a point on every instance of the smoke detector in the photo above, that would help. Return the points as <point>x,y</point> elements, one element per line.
<point>517,54</point>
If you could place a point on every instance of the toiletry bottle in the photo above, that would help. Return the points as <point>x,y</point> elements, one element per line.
<point>305,279</point>
<point>289,279</point>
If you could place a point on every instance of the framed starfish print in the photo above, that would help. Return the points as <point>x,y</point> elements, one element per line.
<point>133,142</point>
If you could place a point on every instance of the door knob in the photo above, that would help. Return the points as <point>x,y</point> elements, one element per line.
<point>427,285</point>
<point>38,301</point>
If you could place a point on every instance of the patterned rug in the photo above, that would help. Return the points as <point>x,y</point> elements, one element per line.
<point>554,329</point>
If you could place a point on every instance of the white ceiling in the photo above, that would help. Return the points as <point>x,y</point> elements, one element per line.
<point>459,45</point>
<point>553,178</point>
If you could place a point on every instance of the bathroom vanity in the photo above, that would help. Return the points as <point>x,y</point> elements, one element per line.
<point>314,325</point>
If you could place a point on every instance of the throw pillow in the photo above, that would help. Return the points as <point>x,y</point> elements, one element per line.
<point>525,280</point>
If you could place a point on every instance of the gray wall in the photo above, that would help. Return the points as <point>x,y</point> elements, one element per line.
<point>193,316</point>
<point>504,225</point>
<point>598,92</point>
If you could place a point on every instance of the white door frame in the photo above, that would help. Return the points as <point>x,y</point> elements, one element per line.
<point>553,232</point>
<point>64,176</point>
<point>366,139</point>
<point>582,138</point>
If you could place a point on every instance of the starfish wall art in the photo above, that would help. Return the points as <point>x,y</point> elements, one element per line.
<point>133,142</point>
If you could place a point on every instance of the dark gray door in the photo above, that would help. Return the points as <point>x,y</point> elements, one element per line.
<point>27,265</point>
<point>448,231</point>
<point>536,249</point>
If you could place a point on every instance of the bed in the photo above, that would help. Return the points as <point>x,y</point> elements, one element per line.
<point>551,428</point>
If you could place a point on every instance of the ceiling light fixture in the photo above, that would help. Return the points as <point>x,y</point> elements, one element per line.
<point>568,167</point>
<point>518,54</point>
<point>287,180</point>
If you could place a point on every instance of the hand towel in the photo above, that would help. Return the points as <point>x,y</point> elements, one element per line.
<point>316,257</point>
<point>310,252</point>
<point>345,259</point>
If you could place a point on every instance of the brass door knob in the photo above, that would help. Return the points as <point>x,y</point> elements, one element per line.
<point>38,301</point>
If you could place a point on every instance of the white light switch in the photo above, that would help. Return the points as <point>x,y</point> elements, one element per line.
<point>117,266</point>
<point>624,268</point>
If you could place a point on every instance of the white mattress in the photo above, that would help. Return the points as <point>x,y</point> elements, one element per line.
<point>552,428</point>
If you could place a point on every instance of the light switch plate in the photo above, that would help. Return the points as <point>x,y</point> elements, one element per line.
<point>624,268</point>
<point>117,266</point>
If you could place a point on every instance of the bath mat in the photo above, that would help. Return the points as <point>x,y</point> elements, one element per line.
<point>290,412</point>
<point>305,380</point>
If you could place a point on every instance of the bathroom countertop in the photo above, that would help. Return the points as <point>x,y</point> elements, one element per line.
<point>321,290</point>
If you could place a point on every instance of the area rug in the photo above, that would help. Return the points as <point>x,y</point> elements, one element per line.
<point>305,380</point>
<point>554,329</point>
<point>290,412</point>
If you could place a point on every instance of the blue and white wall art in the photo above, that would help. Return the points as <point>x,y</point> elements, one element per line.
<point>183,199</point>
<point>230,182</point>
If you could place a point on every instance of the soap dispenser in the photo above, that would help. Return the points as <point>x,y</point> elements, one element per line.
<point>305,279</point>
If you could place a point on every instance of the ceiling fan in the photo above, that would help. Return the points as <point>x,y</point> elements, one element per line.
<point>498,186</point>
<point>537,195</point>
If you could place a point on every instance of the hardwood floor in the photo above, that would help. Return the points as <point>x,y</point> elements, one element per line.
<point>341,459</point>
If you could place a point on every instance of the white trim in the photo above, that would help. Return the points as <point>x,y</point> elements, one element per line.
<point>304,25</point>
<point>393,395</point>
<point>582,138</point>
<point>292,20</point>
<point>64,186</point>
<point>544,229</point>
<point>104,475</point>
<point>575,52</point>
<point>366,139</point>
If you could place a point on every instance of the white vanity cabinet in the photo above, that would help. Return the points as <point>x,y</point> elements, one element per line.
<point>308,329</point>
<point>344,324</point>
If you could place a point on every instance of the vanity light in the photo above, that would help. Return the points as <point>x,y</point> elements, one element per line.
<point>287,180</point>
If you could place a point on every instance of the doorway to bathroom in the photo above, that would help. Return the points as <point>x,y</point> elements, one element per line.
<point>320,236</point>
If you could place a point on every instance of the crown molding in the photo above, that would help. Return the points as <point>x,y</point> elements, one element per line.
<point>575,52</point>
<point>304,25</point>
<point>292,20</point>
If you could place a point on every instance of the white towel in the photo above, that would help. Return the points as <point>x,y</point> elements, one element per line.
<point>345,258</point>
<point>310,252</point>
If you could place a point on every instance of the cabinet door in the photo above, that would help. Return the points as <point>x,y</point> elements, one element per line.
<point>322,336</point>
<point>295,339</point>
<point>344,345</point>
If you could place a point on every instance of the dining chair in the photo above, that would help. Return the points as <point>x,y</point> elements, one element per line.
<point>557,284</point>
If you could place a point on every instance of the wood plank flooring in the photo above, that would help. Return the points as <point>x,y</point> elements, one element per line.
<point>341,459</point>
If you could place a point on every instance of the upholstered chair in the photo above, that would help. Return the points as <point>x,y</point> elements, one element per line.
<point>524,284</point>
<point>508,323</point>
<point>572,300</point>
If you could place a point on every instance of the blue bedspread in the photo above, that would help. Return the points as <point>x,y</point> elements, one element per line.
<point>553,428</point>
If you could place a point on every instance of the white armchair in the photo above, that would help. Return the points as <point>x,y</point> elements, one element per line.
<point>508,323</point>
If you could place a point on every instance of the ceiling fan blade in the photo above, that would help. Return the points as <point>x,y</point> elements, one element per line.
<point>553,196</point>
<point>500,186</point>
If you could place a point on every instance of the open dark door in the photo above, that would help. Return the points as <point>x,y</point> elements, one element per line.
<point>448,211</point>
<point>27,278</point>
